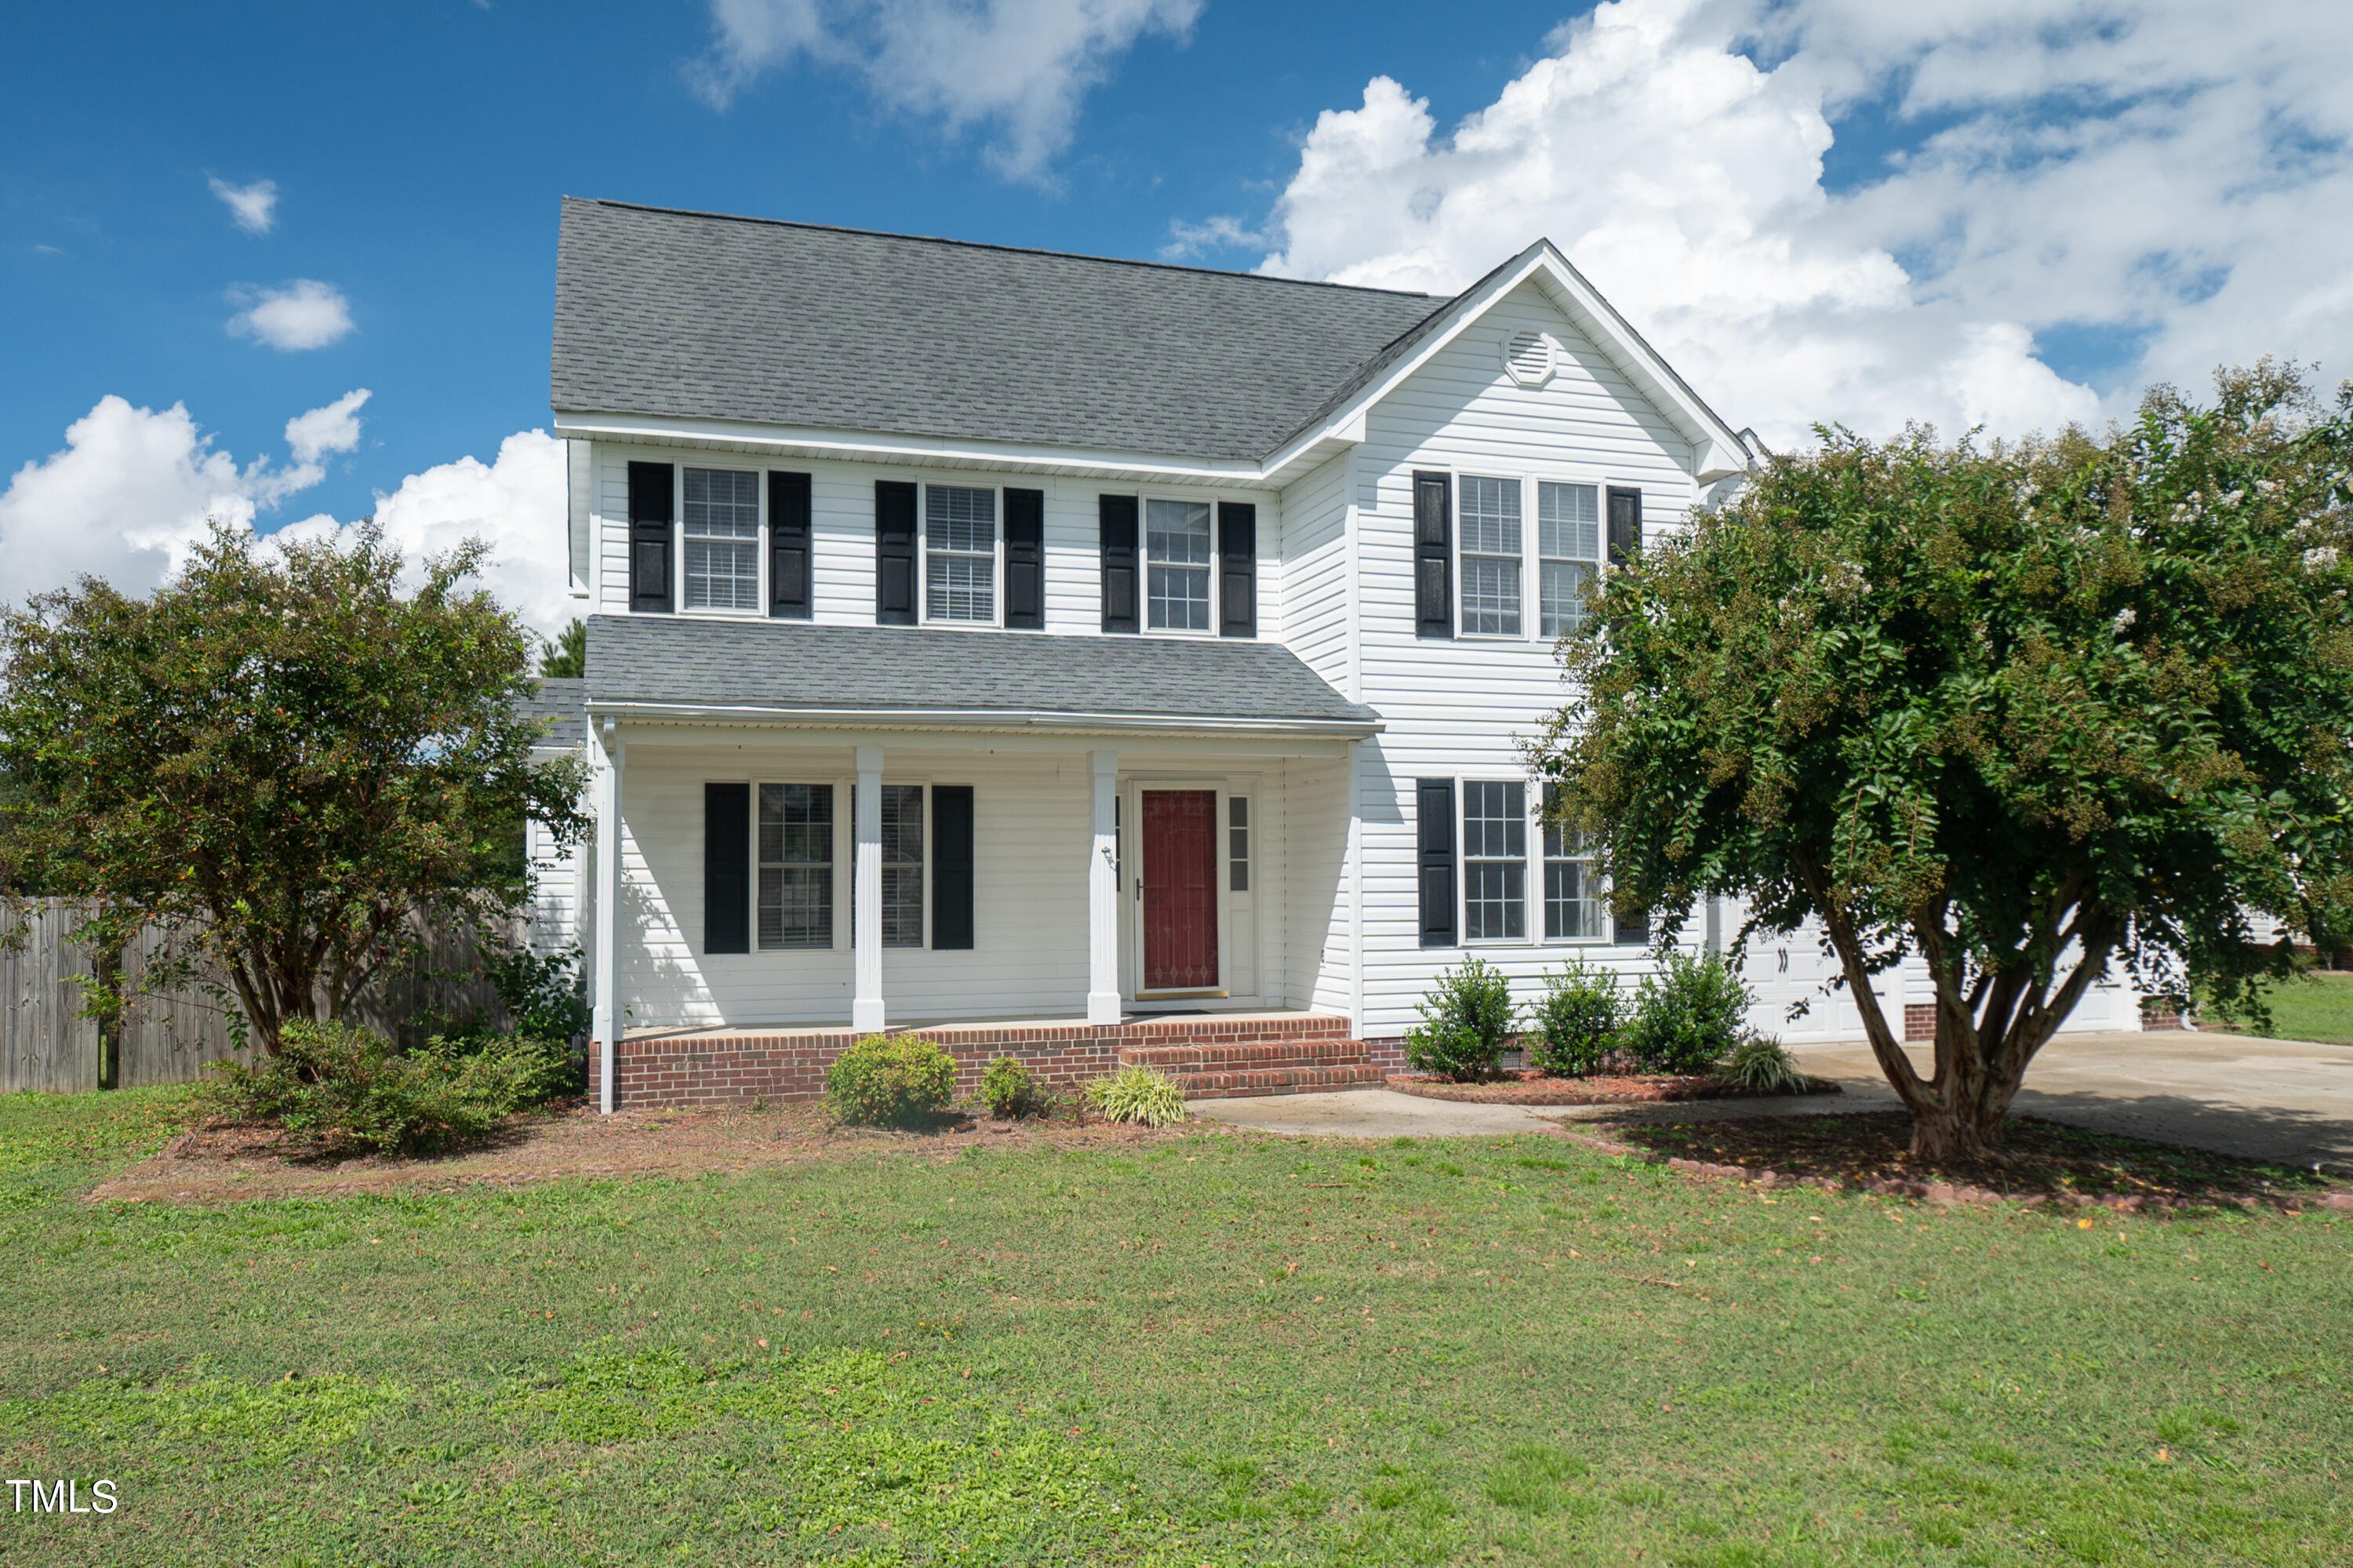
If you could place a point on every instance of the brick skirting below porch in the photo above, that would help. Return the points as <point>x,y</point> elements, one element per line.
<point>790,1064</point>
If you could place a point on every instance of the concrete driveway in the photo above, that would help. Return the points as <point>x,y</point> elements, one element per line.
<point>2269,1099</point>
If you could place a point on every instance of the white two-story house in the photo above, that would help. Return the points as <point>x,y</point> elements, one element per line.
<point>1065,655</point>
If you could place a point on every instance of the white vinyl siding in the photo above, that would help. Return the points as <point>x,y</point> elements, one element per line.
<point>721,527</point>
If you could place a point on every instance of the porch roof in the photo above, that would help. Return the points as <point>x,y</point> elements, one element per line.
<point>665,666</point>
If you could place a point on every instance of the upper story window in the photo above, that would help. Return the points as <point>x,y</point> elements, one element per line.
<point>1176,551</point>
<point>959,553</point>
<point>1490,551</point>
<point>723,539</point>
<point>1569,554</point>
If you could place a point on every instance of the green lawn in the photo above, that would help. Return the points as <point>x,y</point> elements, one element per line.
<point>2317,1006</point>
<point>1217,1349</point>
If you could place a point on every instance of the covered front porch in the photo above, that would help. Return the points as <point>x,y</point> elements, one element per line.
<point>798,876</point>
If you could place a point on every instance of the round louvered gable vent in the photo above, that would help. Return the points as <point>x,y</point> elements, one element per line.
<point>1527,356</point>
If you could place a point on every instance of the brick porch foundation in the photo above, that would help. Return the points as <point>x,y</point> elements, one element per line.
<point>1231,1056</point>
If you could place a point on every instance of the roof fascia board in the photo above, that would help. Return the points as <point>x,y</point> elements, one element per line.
<point>1011,719</point>
<point>910,450</point>
<point>1716,453</point>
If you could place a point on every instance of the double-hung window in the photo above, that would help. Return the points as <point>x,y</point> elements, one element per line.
<point>959,553</point>
<point>1177,554</point>
<point>1490,551</point>
<point>1495,860</point>
<point>1569,554</point>
<point>1574,909</point>
<point>723,539</point>
<point>795,865</point>
<point>902,865</point>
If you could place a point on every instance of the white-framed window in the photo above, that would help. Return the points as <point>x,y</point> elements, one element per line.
<point>1492,552</point>
<point>1178,565</point>
<point>903,862</point>
<point>1495,860</point>
<point>795,865</point>
<point>1569,554</point>
<point>1238,847</point>
<point>720,531</point>
<point>1574,909</point>
<point>960,554</point>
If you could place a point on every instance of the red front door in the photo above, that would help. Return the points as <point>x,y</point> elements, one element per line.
<point>1180,889</point>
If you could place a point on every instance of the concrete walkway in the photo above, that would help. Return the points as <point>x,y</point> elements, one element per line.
<point>2269,1099</point>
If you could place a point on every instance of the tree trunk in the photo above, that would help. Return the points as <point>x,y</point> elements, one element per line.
<point>1960,1126</point>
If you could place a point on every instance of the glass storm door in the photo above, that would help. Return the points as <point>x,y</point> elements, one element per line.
<point>1180,889</point>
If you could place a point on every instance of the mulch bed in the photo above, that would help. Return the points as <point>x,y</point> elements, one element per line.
<point>1527,1086</point>
<point>2041,1162</point>
<point>225,1161</point>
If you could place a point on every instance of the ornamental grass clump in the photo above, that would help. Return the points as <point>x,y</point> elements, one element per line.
<point>1688,1015</point>
<point>1575,1023</point>
<point>1466,1018</point>
<point>1759,1062</point>
<point>1136,1094</point>
<point>347,1088</point>
<point>889,1078</point>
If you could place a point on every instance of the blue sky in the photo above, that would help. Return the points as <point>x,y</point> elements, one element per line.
<point>419,151</point>
<point>2008,213</point>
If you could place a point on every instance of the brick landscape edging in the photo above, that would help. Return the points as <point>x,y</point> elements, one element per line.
<point>1944,1193</point>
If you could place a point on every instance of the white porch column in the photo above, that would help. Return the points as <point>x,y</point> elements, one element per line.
<point>1356,852</point>
<point>1102,893</point>
<point>606,1018</point>
<point>866,1008</point>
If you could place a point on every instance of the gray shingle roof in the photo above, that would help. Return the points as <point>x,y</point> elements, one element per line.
<point>697,315</point>
<point>561,703</point>
<point>796,666</point>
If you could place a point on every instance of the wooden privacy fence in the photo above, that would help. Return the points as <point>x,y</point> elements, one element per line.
<point>168,1037</point>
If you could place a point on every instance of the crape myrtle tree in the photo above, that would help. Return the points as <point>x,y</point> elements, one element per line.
<point>2035,712</point>
<point>278,757</point>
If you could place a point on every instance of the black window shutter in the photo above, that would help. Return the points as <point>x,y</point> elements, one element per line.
<point>653,497</point>
<point>788,546</point>
<point>1237,569</point>
<point>1118,517</point>
<point>726,868</point>
<point>1625,524</point>
<point>1025,559</point>
<point>1434,559</point>
<point>894,553</point>
<point>951,865</point>
<point>1434,817</point>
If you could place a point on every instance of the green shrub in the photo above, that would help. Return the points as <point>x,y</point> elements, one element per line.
<point>1759,1062</point>
<point>886,1078</point>
<point>1466,1018</point>
<point>1688,1015</point>
<point>1575,1021</point>
<point>1137,1094</point>
<point>1009,1089</point>
<point>346,1088</point>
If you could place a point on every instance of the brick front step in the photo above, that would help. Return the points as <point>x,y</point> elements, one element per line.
<point>1243,1056</point>
<point>1226,1086</point>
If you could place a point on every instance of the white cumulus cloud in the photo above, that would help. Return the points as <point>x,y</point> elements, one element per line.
<point>254,207</point>
<point>333,429</point>
<point>2171,177</point>
<point>305,313</point>
<point>132,489</point>
<point>1016,69</point>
